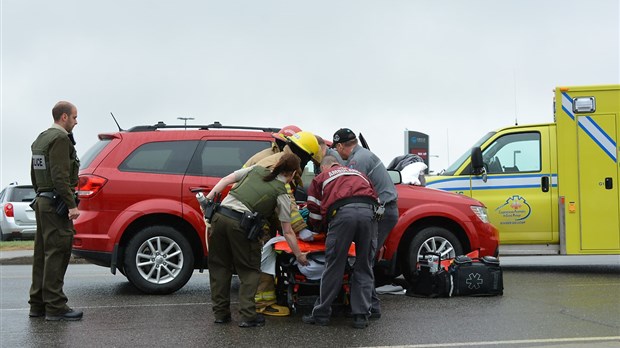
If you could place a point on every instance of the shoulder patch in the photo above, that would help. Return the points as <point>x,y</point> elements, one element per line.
<point>38,162</point>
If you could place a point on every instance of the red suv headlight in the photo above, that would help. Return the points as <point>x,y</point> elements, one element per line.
<point>89,185</point>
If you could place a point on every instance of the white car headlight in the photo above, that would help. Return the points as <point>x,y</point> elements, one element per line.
<point>481,212</point>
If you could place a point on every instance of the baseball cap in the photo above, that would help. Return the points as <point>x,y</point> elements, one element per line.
<point>342,136</point>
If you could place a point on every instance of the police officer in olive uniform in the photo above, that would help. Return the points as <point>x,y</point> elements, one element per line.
<point>54,175</point>
<point>263,191</point>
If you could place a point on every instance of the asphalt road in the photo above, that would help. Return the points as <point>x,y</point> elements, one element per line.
<point>548,302</point>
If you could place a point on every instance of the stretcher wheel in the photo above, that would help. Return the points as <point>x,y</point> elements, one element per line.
<point>290,299</point>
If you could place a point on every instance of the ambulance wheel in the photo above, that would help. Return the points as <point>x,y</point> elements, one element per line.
<point>433,239</point>
<point>158,260</point>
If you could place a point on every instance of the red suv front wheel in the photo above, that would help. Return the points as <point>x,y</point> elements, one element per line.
<point>432,239</point>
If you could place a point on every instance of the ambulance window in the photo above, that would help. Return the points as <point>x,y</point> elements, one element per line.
<point>309,172</point>
<point>459,162</point>
<point>514,153</point>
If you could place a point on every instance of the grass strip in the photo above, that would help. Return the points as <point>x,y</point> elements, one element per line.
<point>17,245</point>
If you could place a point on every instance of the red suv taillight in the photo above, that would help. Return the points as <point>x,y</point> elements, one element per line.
<point>89,185</point>
<point>8,210</point>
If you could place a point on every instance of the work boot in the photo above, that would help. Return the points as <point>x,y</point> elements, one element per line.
<point>36,313</point>
<point>311,319</point>
<point>360,321</point>
<point>223,320</point>
<point>276,310</point>
<point>264,299</point>
<point>257,322</point>
<point>375,314</point>
<point>69,315</point>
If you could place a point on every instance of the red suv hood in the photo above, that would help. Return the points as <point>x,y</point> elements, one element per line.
<point>424,194</point>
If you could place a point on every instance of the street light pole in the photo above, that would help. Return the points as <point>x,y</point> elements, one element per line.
<point>185,119</point>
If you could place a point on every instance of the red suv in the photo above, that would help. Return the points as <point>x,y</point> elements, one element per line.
<point>139,213</point>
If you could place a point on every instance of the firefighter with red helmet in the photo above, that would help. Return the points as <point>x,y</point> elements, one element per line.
<point>279,142</point>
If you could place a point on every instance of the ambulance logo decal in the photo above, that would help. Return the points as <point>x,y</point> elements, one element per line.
<point>514,211</point>
<point>474,281</point>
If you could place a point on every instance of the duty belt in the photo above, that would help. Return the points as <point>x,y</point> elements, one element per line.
<point>47,194</point>
<point>233,214</point>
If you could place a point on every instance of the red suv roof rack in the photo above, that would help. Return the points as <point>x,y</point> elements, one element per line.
<point>216,124</point>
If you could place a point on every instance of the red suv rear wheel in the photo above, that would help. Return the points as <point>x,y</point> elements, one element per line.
<point>158,260</point>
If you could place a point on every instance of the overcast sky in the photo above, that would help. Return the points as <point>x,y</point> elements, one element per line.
<point>452,69</point>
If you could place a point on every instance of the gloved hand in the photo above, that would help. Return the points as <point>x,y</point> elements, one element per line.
<point>304,212</point>
<point>379,211</point>
<point>306,235</point>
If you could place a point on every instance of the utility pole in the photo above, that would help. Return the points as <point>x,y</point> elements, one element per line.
<point>185,119</point>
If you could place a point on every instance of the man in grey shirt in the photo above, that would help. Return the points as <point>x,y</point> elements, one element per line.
<point>354,156</point>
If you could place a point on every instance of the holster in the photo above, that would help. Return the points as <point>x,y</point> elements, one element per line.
<point>209,209</point>
<point>250,222</point>
<point>61,206</point>
<point>253,224</point>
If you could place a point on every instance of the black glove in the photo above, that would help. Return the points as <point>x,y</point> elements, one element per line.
<point>379,211</point>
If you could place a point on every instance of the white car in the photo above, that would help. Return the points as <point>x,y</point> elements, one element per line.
<point>17,218</point>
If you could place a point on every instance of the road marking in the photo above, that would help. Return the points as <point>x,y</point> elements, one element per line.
<point>592,284</point>
<point>127,306</point>
<point>513,342</point>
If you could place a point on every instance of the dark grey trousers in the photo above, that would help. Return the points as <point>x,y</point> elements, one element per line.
<point>390,218</point>
<point>353,223</point>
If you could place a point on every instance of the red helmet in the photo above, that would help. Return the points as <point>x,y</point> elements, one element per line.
<point>286,132</point>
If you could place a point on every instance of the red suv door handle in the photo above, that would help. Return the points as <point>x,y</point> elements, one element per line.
<point>201,189</point>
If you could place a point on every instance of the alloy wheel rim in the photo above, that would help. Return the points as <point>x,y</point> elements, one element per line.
<point>159,260</point>
<point>436,245</point>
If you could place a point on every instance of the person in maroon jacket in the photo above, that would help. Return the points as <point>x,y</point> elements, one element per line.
<point>344,200</point>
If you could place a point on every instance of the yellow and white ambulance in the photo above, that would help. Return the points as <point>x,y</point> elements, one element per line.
<point>550,188</point>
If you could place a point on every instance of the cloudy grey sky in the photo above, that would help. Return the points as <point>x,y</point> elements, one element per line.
<point>452,69</point>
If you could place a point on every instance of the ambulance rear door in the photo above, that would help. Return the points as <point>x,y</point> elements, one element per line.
<point>598,181</point>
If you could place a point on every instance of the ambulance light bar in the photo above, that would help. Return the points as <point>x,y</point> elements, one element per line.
<point>584,105</point>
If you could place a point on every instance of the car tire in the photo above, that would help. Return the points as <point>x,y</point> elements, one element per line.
<point>4,237</point>
<point>158,260</point>
<point>430,239</point>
